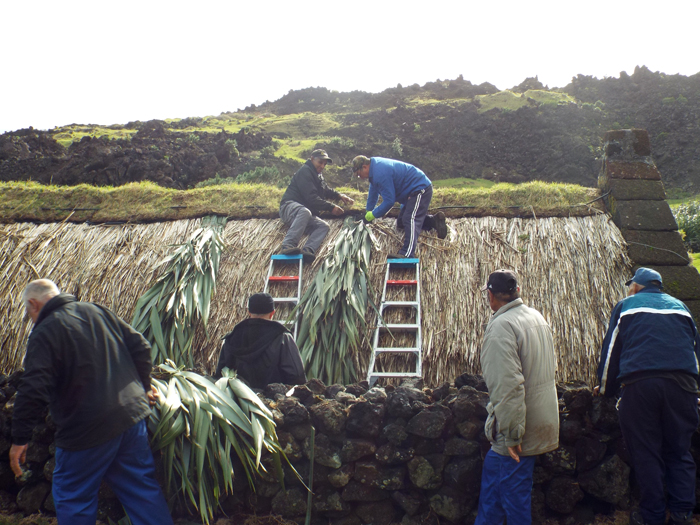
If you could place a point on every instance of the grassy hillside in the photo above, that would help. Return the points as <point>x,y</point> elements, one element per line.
<point>450,129</point>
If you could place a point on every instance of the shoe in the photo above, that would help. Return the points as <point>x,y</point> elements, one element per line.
<point>395,256</point>
<point>681,519</point>
<point>636,518</point>
<point>308,256</point>
<point>440,225</point>
<point>289,251</point>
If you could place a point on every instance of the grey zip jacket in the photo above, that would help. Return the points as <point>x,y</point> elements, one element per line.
<point>518,363</point>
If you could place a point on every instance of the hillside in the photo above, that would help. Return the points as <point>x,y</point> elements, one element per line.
<point>449,128</point>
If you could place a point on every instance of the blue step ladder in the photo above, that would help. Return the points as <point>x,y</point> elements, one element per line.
<point>286,260</point>
<point>398,264</point>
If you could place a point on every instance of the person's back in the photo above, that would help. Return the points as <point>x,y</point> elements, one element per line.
<point>78,362</point>
<point>532,336</point>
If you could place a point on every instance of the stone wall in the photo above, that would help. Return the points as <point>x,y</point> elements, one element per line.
<point>402,454</point>
<point>635,198</point>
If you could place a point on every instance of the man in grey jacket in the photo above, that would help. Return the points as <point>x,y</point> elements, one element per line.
<point>518,363</point>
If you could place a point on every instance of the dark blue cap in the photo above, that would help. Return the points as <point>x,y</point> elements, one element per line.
<point>646,277</point>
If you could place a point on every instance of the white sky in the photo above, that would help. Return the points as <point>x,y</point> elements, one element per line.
<point>98,62</point>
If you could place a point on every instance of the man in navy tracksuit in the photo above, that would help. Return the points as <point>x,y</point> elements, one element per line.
<point>400,182</point>
<point>651,351</point>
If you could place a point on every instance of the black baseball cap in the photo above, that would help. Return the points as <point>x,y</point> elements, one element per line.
<point>501,281</point>
<point>261,303</point>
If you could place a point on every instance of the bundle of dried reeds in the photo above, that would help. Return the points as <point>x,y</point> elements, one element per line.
<point>571,269</point>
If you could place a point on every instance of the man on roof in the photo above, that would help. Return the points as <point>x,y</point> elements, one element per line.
<point>260,350</point>
<point>397,181</point>
<point>650,357</point>
<point>303,201</point>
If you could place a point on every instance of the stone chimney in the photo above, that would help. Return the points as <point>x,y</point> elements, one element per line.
<point>635,197</point>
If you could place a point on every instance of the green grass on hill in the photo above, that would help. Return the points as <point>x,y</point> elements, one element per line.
<point>695,260</point>
<point>146,202</point>
<point>463,182</point>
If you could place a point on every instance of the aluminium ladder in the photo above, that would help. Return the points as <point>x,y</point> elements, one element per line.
<point>291,300</point>
<point>414,327</point>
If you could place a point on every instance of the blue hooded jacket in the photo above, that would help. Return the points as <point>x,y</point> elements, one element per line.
<point>648,331</point>
<point>394,181</point>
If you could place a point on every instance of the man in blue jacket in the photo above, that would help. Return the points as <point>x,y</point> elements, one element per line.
<point>651,352</point>
<point>400,182</point>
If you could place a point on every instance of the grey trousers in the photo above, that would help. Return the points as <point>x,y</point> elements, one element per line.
<point>300,221</point>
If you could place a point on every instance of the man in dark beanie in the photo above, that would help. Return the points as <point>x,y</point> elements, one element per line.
<point>650,358</point>
<point>303,201</point>
<point>261,350</point>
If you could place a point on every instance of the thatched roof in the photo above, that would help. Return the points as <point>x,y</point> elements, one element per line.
<point>571,269</point>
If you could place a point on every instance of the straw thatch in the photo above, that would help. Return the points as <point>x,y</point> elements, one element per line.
<point>571,269</point>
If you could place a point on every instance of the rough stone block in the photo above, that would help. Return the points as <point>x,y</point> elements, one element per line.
<point>694,307</point>
<point>631,170</point>
<point>656,248</point>
<point>682,282</point>
<point>627,143</point>
<point>633,189</point>
<point>642,215</point>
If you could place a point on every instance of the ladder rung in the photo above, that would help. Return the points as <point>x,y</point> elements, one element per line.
<point>402,282</point>
<point>284,278</point>
<point>407,262</point>
<point>399,327</point>
<point>397,350</point>
<point>279,257</point>
<point>399,303</point>
<point>285,299</point>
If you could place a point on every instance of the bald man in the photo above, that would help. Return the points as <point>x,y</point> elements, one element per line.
<point>93,371</point>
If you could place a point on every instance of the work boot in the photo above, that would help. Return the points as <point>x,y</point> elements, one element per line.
<point>636,518</point>
<point>308,256</point>
<point>440,225</point>
<point>681,519</point>
<point>289,251</point>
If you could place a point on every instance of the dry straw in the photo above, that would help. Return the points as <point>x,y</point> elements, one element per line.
<point>571,269</point>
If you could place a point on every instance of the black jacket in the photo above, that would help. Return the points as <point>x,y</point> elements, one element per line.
<point>262,352</point>
<point>309,188</point>
<point>90,367</point>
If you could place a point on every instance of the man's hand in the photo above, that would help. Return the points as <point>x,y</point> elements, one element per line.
<point>152,396</point>
<point>515,452</point>
<point>337,210</point>
<point>347,200</point>
<point>369,216</point>
<point>596,390</point>
<point>18,455</point>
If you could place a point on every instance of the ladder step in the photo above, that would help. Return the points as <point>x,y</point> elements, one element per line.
<point>399,303</point>
<point>285,300</point>
<point>404,262</point>
<point>407,350</point>
<point>402,282</point>
<point>399,327</point>
<point>284,278</point>
<point>279,257</point>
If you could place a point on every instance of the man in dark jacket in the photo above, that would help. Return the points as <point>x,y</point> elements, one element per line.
<point>261,350</point>
<point>93,370</point>
<point>651,351</point>
<point>303,201</point>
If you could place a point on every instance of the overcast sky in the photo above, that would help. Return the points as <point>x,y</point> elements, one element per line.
<point>98,62</point>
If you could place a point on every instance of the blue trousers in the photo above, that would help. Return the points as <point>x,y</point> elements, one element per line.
<point>506,490</point>
<point>412,217</point>
<point>658,418</point>
<point>126,464</point>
